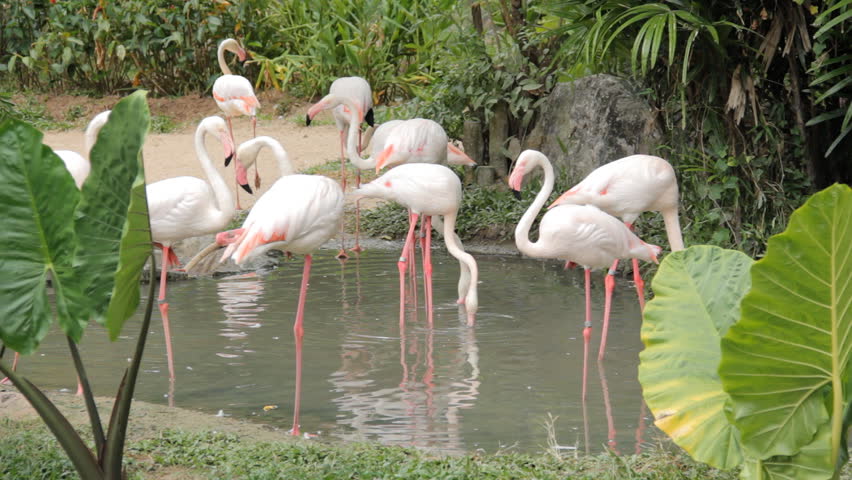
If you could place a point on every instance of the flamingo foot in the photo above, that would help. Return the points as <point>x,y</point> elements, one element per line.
<point>356,249</point>
<point>341,255</point>
<point>5,381</point>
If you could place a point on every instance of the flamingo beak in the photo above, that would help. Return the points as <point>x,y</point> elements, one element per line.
<point>242,175</point>
<point>227,146</point>
<point>308,120</point>
<point>241,54</point>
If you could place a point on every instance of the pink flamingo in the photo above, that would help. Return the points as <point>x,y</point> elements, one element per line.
<point>377,140</point>
<point>79,167</point>
<point>428,189</point>
<point>235,96</point>
<point>297,214</point>
<point>351,101</point>
<point>627,187</point>
<point>184,207</point>
<point>579,233</point>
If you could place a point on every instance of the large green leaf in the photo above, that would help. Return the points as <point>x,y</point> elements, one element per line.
<point>112,218</point>
<point>697,292</point>
<point>812,463</point>
<point>785,362</point>
<point>38,198</point>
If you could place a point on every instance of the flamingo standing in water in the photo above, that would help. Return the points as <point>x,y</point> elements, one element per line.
<point>79,167</point>
<point>428,189</point>
<point>625,188</point>
<point>578,233</point>
<point>184,207</point>
<point>297,214</point>
<point>235,96</point>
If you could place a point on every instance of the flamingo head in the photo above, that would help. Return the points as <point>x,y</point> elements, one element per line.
<point>227,144</point>
<point>313,111</point>
<point>241,53</point>
<point>517,176</point>
<point>655,250</point>
<point>457,157</point>
<point>383,159</point>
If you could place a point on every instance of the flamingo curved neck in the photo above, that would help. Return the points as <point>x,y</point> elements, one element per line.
<point>352,151</point>
<point>673,232</point>
<point>455,248</point>
<point>224,199</point>
<point>91,134</point>
<point>522,231</point>
<point>285,166</point>
<point>221,56</point>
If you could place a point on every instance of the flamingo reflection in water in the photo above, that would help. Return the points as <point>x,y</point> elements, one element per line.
<point>424,409</point>
<point>239,296</point>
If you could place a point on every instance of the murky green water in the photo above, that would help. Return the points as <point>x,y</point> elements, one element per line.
<point>449,388</point>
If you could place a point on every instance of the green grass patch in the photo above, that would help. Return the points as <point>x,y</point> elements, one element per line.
<point>27,450</point>
<point>164,124</point>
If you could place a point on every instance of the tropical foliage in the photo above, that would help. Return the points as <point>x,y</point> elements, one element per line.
<point>90,244</point>
<point>778,403</point>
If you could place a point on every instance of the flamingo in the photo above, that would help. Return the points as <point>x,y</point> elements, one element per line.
<point>627,187</point>
<point>297,214</point>
<point>428,189</point>
<point>379,140</point>
<point>578,233</point>
<point>79,167</point>
<point>235,96</point>
<point>184,207</point>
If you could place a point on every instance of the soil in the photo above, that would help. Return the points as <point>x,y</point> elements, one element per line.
<point>173,154</point>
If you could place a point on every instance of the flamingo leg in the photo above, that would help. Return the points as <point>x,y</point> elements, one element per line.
<point>412,277</point>
<point>427,265</point>
<point>357,248</point>
<point>164,311</point>
<point>402,265</point>
<point>299,333</point>
<point>640,284</point>
<point>587,329</point>
<point>609,283</point>
<point>341,255</point>
<point>6,380</point>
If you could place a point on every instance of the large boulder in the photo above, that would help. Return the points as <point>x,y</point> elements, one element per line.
<point>592,121</point>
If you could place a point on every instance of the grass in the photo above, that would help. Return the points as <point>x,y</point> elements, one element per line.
<point>28,450</point>
<point>164,124</point>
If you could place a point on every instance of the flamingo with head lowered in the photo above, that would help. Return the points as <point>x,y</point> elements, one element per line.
<point>184,207</point>
<point>627,187</point>
<point>428,190</point>
<point>235,97</point>
<point>577,233</point>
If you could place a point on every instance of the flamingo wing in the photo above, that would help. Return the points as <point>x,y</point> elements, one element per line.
<point>76,165</point>
<point>178,208</point>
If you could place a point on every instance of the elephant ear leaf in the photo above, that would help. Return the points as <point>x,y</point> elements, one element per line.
<point>38,198</point>
<point>697,293</point>
<point>112,218</point>
<point>786,361</point>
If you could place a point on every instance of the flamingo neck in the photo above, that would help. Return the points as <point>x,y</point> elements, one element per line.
<point>672,222</point>
<point>522,231</point>
<point>352,151</point>
<point>225,206</point>
<point>456,249</point>
<point>285,166</point>
<point>91,135</point>
<point>221,56</point>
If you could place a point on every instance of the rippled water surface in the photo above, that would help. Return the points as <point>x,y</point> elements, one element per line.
<point>451,388</point>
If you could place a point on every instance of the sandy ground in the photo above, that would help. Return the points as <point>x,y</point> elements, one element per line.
<point>173,154</point>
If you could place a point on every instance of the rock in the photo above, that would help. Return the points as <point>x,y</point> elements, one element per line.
<point>498,131</point>
<point>485,175</point>
<point>592,121</point>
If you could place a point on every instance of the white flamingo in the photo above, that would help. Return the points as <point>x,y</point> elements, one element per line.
<point>297,214</point>
<point>578,233</point>
<point>428,189</point>
<point>235,97</point>
<point>627,187</point>
<point>79,167</point>
<point>184,207</point>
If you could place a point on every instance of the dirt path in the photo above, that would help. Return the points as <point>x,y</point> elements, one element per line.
<point>173,154</point>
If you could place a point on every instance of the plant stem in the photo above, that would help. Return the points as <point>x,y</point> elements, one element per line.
<point>91,408</point>
<point>117,433</point>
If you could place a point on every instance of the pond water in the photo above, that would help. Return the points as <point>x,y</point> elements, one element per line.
<point>450,388</point>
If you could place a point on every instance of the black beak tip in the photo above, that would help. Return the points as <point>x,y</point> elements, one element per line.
<point>370,118</point>
<point>517,194</point>
<point>247,188</point>
<point>307,120</point>
<point>228,159</point>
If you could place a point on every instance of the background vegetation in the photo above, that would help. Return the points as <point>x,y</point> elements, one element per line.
<point>753,97</point>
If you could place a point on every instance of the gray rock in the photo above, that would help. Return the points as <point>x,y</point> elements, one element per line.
<point>592,121</point>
